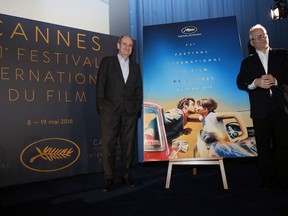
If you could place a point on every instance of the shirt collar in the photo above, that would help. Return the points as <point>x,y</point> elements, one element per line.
<point>263,53</point>
<point>122,59</point>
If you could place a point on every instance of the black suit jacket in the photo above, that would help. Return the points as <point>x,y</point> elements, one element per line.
<point>260,100</point>
<point>112,93</point>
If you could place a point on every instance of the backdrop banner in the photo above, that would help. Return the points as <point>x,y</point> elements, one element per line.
<point>49,124</point>
<point>199,60</point>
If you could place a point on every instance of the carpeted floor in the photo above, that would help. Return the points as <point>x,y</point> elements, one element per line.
<point>199,195</point>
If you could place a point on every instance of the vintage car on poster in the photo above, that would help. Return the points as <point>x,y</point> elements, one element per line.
<point>157,147</point>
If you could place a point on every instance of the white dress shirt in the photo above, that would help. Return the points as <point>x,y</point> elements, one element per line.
<point>124,67</point>
<point>264,60</point>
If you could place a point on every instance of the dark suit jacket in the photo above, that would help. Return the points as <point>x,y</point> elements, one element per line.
<point>112,93</point>
<point>260,100</point>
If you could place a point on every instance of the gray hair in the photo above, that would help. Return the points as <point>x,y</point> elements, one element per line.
<point>257,26</point>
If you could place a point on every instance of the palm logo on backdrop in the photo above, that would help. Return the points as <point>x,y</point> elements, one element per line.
<point>50,154</point>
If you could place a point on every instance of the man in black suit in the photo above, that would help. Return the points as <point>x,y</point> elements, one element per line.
<point>264,76</point>
<point>119,96</point>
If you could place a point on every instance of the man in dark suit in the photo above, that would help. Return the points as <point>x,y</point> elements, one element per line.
<point>119,96</point>
<point>264,76</point>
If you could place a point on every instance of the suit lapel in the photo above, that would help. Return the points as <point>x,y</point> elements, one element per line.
<point>130,75</point>
<point>270,60</point>
<point>258,63</point>
<point>118,69</point>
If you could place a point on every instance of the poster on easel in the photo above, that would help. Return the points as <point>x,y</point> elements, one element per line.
<point>192,106</point>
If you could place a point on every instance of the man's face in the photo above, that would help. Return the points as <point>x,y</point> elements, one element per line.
<point>191,108</point>
<point>260,39</point>
<point>125,47</point>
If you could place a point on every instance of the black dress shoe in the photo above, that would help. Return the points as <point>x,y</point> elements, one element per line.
<point>265,187</point>
<point>108,185</point>
<point>128,182</point>
<point>282,187</point>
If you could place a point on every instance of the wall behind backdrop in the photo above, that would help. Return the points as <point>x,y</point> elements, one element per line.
<point>93,15</point>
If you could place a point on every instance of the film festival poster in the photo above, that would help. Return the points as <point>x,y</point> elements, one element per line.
<point>49,122</point>
<point>194,59</point>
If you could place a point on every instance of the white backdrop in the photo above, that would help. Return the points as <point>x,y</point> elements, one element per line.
<point>91,15</point>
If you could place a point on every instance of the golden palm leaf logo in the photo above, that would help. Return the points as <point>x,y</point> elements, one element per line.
<point>50,153</point>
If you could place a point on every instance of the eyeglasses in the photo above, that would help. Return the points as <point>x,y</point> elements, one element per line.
<point>259,37</point>
<point>127,45</point>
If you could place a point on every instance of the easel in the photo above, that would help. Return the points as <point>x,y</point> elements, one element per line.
<point>197,161</point>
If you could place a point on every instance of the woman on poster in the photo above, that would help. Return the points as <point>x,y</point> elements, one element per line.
<point>213,139</point>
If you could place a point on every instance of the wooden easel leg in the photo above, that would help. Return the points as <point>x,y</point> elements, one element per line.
<point>169,172</point>
<point>225,185</point>
<point>194,171</point>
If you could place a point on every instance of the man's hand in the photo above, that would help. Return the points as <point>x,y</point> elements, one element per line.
<point>265,81</point>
